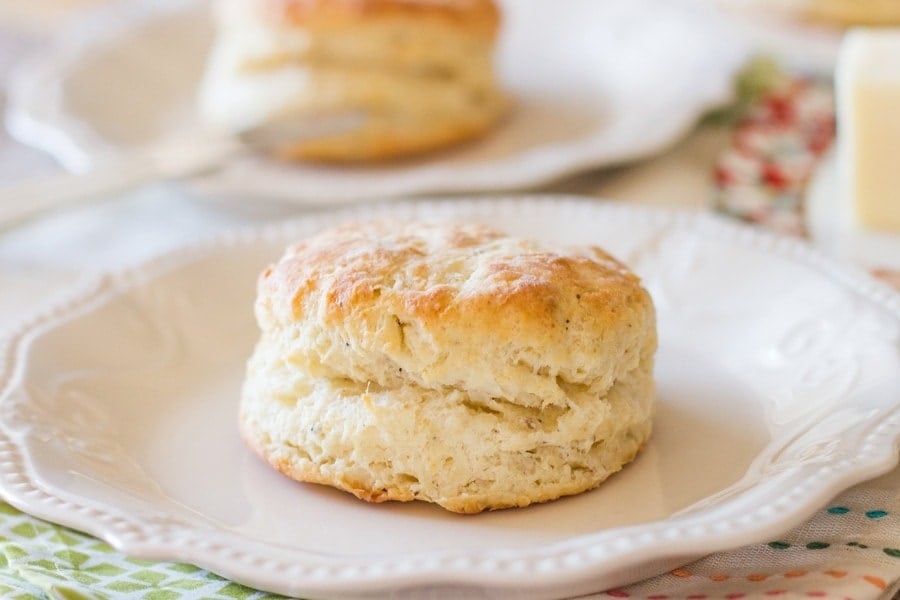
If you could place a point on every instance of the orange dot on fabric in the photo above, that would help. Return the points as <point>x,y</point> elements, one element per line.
<point>720,577</point>
<point>617,593</point>
<point>876,581</point>
<point>835,573</point>
<point>681,573</point>
<point>795,574</point>
<point>757,577</point>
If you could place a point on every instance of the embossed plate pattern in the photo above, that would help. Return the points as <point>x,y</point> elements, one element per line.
<point>778,372</point>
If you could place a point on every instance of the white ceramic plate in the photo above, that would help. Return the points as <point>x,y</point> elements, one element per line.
<point>778,373</point>
<point>775,29</point>
<point>834,228</point>
<point>596,83</point>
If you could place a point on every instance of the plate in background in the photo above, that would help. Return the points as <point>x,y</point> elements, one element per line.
<point>599,83</point>
<point>777,375</point>
<point>776,28</point>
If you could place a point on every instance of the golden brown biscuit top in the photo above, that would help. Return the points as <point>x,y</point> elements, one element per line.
<point>482,16</point>
<point>459,305</point>
<point>434,269</point>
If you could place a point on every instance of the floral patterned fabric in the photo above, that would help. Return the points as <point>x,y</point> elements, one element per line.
<point>776,146</point>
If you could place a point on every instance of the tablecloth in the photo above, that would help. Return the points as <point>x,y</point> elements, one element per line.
<point>848,549</point>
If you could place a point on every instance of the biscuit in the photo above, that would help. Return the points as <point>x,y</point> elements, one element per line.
<point>449,363</point>
<point>420,71</point>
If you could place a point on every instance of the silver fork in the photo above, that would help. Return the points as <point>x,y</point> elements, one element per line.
<point>180,156</point>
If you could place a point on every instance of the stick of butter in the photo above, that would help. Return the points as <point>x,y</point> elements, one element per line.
<point>868,103</point>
